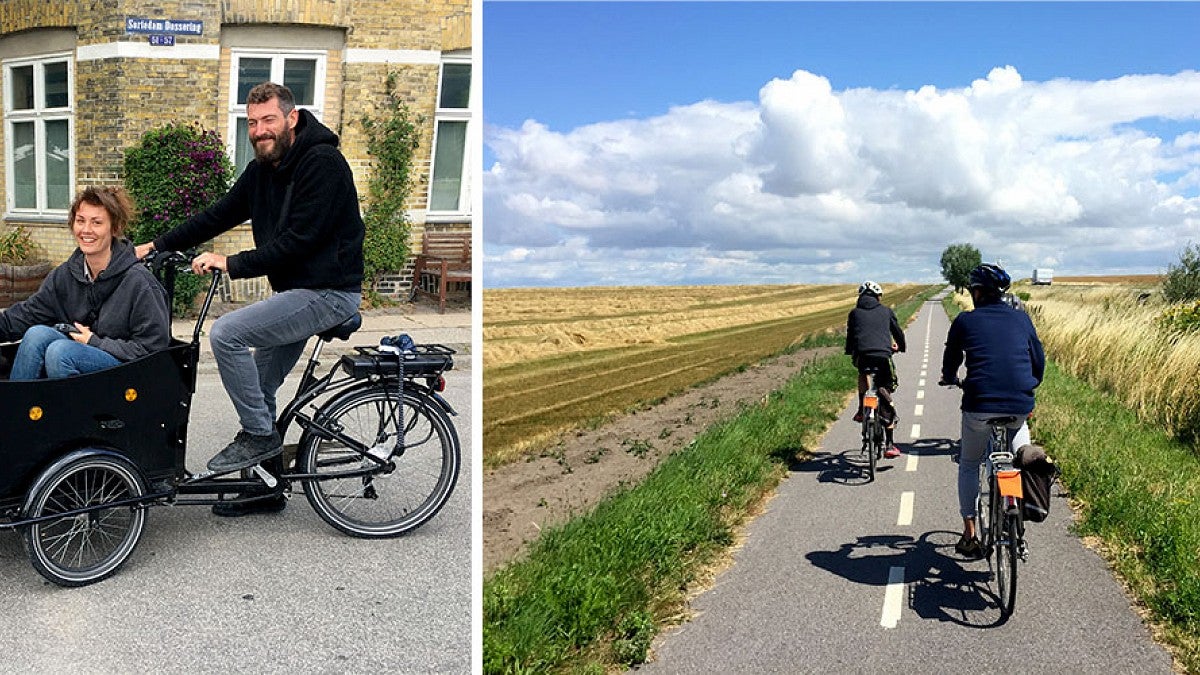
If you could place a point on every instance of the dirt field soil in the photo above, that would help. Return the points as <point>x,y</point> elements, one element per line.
<point>521,498</point>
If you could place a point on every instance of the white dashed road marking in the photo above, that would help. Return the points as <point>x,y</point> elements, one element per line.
<point>906,508</point>
<point>893,598</point>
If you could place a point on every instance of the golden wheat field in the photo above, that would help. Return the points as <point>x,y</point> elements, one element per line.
<point>522,324</point>
<point>1119,279</point>
<point>1108,335</point>
<point>558,359</point>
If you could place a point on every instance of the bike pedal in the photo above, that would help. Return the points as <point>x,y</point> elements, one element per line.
<point>265,476</point>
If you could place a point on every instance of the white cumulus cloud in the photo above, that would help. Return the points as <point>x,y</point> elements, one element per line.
<point>1064,172</point>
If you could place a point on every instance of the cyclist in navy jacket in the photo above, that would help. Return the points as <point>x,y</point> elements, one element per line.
<point>1005,363</point>
<point>873,334</point>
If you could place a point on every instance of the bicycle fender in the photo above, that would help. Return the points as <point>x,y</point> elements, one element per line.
<point>443,403</point>
<point>71,457</point>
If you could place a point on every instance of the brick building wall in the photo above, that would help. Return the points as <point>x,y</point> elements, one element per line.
<point>122,86</point>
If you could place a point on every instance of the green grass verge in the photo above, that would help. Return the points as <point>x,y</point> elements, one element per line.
<point>1139,491</point>
<point>592,589</point>
<point>591,593</point>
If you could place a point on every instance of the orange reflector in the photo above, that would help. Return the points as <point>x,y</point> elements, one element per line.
<point>131,395</point>
<point>35,413</point>
<point>870,401</point>
<point>1010,483</point>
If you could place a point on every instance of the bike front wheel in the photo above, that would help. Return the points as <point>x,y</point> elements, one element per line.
<point>984,512</point>
<point>84,548</point>
<point>389,501</point>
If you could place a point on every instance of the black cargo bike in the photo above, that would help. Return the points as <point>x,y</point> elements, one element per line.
<point>83,458</point>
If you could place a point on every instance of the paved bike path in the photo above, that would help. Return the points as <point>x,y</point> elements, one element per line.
<point>841,575</point>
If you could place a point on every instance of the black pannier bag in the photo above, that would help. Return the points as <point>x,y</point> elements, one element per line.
<point>1038,473</point>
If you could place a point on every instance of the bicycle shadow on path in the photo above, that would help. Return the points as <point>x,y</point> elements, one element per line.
<point>941,586</point>
<point>849,467</point>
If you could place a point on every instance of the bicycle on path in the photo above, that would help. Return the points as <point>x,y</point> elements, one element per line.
<point>999,513</point>
<point>377,454</point>
<point>874,430</point>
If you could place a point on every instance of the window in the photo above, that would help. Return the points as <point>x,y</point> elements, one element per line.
<point>449,190</point>
<point>39,130</point>
<point>302,72</point>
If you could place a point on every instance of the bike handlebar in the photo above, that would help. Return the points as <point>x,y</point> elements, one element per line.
<point>179,259</point>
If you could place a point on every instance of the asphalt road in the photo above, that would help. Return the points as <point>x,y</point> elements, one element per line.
<point>263,593</point>
<point>841,575</point>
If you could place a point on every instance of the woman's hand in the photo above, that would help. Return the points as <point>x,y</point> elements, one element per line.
<point>83,335</point>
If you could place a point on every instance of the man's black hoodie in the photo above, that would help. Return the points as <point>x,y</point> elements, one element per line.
<point>125,307</point>
<point>304,213</point>
<point>871,327</point>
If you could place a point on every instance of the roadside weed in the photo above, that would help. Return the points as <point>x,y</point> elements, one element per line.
<point>1139,490</point>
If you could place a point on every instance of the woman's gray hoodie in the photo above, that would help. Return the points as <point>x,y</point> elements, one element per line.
<point>125,306</point>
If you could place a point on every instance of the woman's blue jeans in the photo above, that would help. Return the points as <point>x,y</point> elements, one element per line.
<point>47,353</point>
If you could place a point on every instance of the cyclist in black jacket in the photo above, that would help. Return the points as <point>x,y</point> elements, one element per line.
<point>873,334</point>
<point>300,198</point>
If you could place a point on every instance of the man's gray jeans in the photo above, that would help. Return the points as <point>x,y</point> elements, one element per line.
<point>277,329</point>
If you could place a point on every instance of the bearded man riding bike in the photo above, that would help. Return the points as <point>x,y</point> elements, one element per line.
<point>873,334</point>
<point>1005,363</point>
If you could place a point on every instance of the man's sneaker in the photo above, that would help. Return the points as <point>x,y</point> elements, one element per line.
<point>969,548</point>
<point>891,453</point>
<point>269,504</point>
<point>858,416</point>
<point>245,451</point>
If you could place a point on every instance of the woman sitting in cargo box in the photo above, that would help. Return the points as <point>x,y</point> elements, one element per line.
<point>98,309</point>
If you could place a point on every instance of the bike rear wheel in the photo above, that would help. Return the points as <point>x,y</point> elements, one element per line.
<point>870,443</point>
<point>85,548</point>
<point>387,502</point>
<point>1006,564</point>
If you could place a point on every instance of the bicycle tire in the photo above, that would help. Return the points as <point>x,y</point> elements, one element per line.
<point>387,503</point>
<point>983,511</point>
<point>869,444</point>
<point>1006,566</point>
<point>86,548</point>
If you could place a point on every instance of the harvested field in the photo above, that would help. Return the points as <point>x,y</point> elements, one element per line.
<point>561,359</point>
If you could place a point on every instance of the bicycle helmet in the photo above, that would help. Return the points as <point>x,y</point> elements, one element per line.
<point>870,287</point>
<point>989,278</point>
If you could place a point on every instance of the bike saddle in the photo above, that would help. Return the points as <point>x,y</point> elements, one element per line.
<point>343,330</point>
<point>1002,421</point>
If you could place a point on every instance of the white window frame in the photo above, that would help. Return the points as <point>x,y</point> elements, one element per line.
<point>39,115</point>
<point>463,212</point>
<point>238,110</point>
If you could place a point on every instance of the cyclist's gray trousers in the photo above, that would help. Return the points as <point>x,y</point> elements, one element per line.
<point>277,329</point>
<point>974,445</point>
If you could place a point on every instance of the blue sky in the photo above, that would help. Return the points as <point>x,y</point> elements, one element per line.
<point>729,142</point>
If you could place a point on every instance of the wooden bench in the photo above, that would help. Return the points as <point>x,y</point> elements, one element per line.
<point>445,259</point>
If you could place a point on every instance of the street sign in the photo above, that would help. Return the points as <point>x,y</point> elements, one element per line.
<point>141,24</point>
